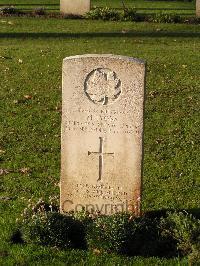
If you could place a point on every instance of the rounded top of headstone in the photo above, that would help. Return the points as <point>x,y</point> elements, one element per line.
<point>110,56</point>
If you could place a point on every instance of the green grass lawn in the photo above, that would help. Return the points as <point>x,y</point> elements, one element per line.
<point>31,53</point>
<point>178,7</point>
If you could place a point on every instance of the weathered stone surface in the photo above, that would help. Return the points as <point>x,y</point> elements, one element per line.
<point>102,133</point>
<point>75,7</point>
<point>198,8</point>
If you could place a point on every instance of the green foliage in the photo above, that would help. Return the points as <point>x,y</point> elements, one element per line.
<point>8,10</point>
<point>104,13</point>
<point>41,225</point>
<point>109,13</point>
<point>114,234</point>
<point>130,14</point>
<point>119,233</point>
<point>131,236</point>
<point>185,230</point>
<point>165,18</point>
<point>83,216</point>
<point>145,236</point>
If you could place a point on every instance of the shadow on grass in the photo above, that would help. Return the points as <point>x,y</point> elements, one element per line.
<point>25,4</point>
<point>147,34</point>
<point>118,8</point>
<point>142,236</point>
<point>46,9</point>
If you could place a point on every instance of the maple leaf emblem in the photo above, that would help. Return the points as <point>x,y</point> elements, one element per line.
<point>102,86</point>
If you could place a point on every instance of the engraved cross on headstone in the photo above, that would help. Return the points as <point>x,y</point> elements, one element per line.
<point>101,154</point>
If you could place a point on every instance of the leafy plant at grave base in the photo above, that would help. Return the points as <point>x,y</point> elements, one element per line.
<point>8,10</point>
<point>84,216</point>
<point>122,234</point>
<point>104,13</point>
<point>43,224</point>
<point>165,18</point>
<point>130,14</point>
<point>185,230</point>
<point>39,11</point>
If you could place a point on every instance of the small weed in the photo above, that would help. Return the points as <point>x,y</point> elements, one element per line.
<point>104,14</point>
<point>165,18</point>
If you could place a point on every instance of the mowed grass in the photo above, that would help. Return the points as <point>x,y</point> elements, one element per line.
<point>31,54</point>
<point>142,6</point>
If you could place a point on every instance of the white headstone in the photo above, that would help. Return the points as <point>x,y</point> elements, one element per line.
<point>102,133</point>
<point>75,7</point>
